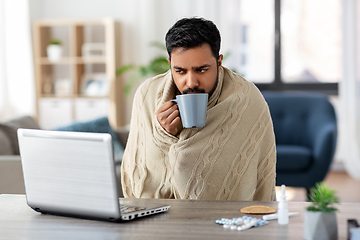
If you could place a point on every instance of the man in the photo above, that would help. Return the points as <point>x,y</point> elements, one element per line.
<point>232,158</point>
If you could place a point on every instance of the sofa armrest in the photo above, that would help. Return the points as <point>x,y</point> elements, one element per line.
<point>325,142</point>
<point>10,128</point>
<point>11,176</point>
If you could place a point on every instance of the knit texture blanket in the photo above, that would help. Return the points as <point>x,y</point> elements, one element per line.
<point>232,158</point>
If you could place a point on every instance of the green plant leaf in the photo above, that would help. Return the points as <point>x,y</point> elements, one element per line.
<point>156,66</point>
<point>124,69</point>
<point>159,65</point>
<point>55,42</point>
<point>322,198</point>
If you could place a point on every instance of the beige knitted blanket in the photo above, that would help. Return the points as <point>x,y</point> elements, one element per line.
<point>232,158</point>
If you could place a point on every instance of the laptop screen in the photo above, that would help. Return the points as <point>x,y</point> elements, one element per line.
<point>69,172</point>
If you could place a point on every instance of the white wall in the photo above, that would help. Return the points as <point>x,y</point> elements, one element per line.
<point>17,88</point>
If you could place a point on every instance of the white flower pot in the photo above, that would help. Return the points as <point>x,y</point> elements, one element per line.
<point>320,226</point>
<point>54,52</point>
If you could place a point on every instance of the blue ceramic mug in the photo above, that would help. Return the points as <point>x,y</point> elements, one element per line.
<point>192,109</point>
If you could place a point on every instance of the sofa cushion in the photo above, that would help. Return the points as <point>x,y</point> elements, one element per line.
<point>99,125</point>
<point>5,143</point>
<point>10,129</point>
<point>300,157</point>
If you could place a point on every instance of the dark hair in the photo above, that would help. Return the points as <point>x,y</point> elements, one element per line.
<point>193,32</point>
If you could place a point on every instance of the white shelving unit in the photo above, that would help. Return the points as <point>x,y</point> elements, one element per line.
<point>82,84</point>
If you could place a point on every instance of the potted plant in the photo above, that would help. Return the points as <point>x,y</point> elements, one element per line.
<point>54,50</point>
<point>320,218</point>
<point>156,66</point>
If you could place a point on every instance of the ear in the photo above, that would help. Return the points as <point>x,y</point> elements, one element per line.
<point>221,57</point>
<point>169,61</point>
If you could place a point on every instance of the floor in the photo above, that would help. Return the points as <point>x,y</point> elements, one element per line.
<point>347,188</point>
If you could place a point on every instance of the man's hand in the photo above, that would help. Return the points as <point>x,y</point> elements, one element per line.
<point>168,117</point>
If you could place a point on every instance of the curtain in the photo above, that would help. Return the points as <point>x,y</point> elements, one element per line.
<point>17,88</point>
<point>349,89</point>
<point>3,93</point>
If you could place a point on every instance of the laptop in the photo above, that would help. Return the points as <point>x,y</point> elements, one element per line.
<point>73,174</point>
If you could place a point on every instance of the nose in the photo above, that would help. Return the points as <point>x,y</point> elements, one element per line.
<point>192,80</point>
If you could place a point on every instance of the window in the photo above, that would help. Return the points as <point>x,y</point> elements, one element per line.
<point>257,40</point>
<point>304,53</point>
<point>311,41</point>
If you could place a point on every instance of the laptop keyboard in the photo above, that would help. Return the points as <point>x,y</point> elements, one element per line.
<point>128,208</point>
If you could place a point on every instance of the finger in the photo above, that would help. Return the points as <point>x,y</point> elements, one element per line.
<point>172,109</point>
<point>166,113</point>
<point>175,122</point>
<point>172,116</point>
<point>165,119</point>
<point>172,128</point>
<point>166,106</point>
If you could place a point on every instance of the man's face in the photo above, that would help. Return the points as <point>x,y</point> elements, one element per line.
<point>195,70</point>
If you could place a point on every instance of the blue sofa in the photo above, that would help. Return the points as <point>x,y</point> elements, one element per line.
<point>306,131</point>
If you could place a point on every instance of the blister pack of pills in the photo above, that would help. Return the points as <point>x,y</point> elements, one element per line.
<point>241,223</point>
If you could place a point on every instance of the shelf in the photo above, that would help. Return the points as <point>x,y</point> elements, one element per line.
<point>55,96</point>
<point>89,58</point>
<point>73,96</point>
<point>73,60</point>
<point>72,22</point>
<point>90,97</point>
<point>86,60</point>
<point>64,60</point>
